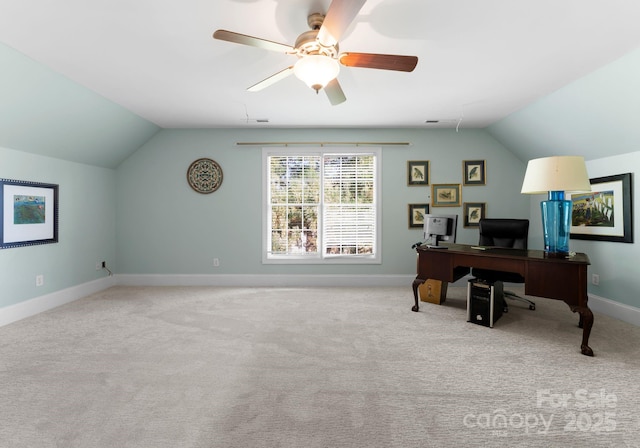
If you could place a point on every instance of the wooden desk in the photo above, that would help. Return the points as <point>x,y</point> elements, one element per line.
<point>554,278</point>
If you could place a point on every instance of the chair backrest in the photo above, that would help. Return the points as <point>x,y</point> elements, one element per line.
<point>511,233</point>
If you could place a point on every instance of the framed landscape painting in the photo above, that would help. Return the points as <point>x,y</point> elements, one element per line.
<point>605,213</point>
<point>28,213</point>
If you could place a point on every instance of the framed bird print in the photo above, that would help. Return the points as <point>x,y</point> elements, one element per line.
<point>418,172</point>
<point>474,172</point>
<point>445,195</point>
<point>473,213</point>
<point>416,214</point>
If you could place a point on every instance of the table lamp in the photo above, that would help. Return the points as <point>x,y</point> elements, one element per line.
<point>555,176</point>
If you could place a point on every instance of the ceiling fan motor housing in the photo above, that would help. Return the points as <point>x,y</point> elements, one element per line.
<point>307,43</point>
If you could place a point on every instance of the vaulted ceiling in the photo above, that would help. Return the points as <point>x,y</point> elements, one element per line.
<point>91,82</point>
<point>479,61</point>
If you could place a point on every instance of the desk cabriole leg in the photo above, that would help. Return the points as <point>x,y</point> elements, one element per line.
<point>416,283</point>
<point>586,319</point>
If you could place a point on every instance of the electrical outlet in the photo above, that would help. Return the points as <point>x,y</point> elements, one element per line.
<point>216,262</point>
<point>98,265</point>
<point>39,280</point>
<point>595,279</point>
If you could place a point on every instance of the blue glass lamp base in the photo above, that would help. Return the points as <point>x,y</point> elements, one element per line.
<point>556,223</point>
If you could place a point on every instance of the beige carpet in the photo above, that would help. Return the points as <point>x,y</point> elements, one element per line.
<point>312,367</point>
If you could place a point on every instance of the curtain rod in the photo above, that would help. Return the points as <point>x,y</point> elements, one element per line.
<point>323,143</point>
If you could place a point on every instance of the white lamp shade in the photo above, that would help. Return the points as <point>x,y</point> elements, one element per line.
<point>558,173</point>
<point>316,70</point>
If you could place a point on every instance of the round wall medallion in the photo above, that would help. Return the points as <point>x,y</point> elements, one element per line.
<point>204,176</point>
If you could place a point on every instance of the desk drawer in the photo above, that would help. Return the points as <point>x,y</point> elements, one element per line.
<point>436,265</point>
<point>515,265</point>
<point>566,281</point>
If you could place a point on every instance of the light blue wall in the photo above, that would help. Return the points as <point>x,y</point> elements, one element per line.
<point>595,116</point>
<point>86,227</point>
<point>44,113</point>
<point>616,263</point>
<point>143,217</point>
<point>164,227</point>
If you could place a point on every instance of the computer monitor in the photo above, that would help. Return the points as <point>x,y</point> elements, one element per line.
<point>440,228</point>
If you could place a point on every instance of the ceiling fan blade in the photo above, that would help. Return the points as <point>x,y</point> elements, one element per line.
<point>334,92</point>
<point>238,38</point>
<point>381,61</point>
<point>339,16</point>
<point>271,79</point>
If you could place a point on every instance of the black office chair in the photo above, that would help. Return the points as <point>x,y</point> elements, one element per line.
<point>510,233</point>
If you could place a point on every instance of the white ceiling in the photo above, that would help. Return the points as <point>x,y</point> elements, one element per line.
<point>478,60</point>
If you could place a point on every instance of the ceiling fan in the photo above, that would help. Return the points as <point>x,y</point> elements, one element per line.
<point>317,51</point>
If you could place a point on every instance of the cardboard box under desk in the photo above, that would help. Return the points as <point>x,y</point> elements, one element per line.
<point>433,291</point>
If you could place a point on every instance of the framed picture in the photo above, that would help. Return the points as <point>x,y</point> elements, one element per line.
<point>473,213</point>
<point>604,214</point>
<point>474,172</point>
<point>28,213</point>
<point>418,172</point>
<point>416,214</point>
<point>445,195</point>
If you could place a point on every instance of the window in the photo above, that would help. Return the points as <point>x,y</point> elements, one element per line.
<point>321,205</point>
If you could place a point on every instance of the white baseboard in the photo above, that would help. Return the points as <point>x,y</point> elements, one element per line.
<point>616,310</point>
<point>40,304</point>
<point>264,280</point>
<point>37,305</point>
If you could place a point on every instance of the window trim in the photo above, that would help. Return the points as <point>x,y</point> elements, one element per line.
<point>320,258</point>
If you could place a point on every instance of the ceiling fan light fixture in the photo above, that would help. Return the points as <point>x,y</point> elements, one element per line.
<point>316,70</point>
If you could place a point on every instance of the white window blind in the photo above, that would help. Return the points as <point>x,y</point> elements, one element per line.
<point>349,205</point>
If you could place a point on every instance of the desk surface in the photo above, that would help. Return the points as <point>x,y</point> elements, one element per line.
<point>545,276</point>
<point>502,252</point>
